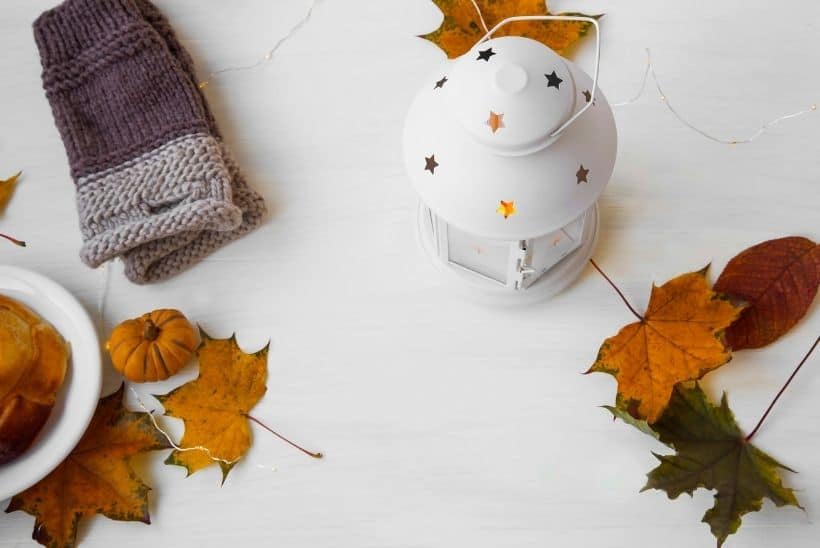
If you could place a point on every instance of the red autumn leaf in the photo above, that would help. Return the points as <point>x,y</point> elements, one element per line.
<point>779,280</point>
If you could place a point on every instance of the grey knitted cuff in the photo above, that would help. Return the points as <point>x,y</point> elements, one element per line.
<point>181,187</point>
<point>165,258</point>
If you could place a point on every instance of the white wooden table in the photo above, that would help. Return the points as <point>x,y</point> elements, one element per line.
<point>446,423</point>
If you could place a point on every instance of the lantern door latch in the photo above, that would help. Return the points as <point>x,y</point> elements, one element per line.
<point>523,268</point>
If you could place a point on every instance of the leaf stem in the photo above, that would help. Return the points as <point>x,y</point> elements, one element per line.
<point>284,439</point>
<point>783,389</point>
<point>615,287</point>
<point>13,240</point>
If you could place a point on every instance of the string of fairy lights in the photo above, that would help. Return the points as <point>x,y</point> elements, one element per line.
<point>650,71</point>
<point>268,57</point>
<point>269,53</point>
<point>171,442</point>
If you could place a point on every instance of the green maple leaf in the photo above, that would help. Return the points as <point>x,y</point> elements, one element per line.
<point>712,453</point>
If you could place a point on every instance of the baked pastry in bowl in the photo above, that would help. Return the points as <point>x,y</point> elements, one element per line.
<point>33,364</point>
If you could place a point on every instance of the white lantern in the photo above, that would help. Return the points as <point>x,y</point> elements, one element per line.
<point>509,148</point>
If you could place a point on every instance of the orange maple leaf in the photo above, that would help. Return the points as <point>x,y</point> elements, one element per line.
<point>679,338</point>
<point>96,478</point>
<point>462,28</point>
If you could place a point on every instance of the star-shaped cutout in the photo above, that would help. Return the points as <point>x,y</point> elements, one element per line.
<point>506,209</point>
<point>553,81</point>
<point>582,175</point>
<point>440,83</point>
<point>496,121</point>
<point>587,95</point>
<point>485,55</point>
<point>431,164</point>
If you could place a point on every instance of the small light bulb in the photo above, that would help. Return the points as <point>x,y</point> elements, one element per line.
<point>663,98</point>
<point>203,84</point>
<point>268,56</point>
<point>814,107</point>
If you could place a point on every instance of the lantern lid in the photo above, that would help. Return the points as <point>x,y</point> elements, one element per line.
<point>483,144</point>
<point>510,95</point>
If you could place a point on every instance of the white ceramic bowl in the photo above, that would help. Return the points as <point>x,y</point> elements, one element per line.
<point>80,392</point>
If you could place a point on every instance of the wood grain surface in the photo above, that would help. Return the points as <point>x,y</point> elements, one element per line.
<point>446,423</point>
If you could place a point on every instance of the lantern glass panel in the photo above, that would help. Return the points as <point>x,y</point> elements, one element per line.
<point>489,258</point>
<point>515,264</point>
<point>547,251</point>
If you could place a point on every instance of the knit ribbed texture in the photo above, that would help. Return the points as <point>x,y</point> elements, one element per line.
<point>155,183</point>
<point>164,258</point>
<point>182,185</point>
<point>115,89</point>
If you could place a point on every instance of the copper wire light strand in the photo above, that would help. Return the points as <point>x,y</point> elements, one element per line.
<point>650,70</point>
<point>268,54</point>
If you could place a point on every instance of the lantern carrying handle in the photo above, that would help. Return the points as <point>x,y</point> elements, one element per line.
<point>580,18</point>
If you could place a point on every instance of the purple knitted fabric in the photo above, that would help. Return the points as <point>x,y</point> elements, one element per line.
<point>112,83</point>
<point>154,184</point>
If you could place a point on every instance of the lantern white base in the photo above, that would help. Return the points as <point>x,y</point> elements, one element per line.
<point>483,288</point>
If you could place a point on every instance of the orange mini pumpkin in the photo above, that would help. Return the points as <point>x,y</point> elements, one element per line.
<point>152,347</point>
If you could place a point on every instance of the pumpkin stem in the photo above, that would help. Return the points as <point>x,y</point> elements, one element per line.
<point>151,331</point>
<point>283,438</point>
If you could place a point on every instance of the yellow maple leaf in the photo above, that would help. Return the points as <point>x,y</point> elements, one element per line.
<point>96,478</point>
<point>215,406</point>
<point>7,189</point>
<point>679,338</point>
<point>462,28</point>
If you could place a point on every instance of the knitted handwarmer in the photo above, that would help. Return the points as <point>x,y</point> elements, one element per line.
<point>155,183</point>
